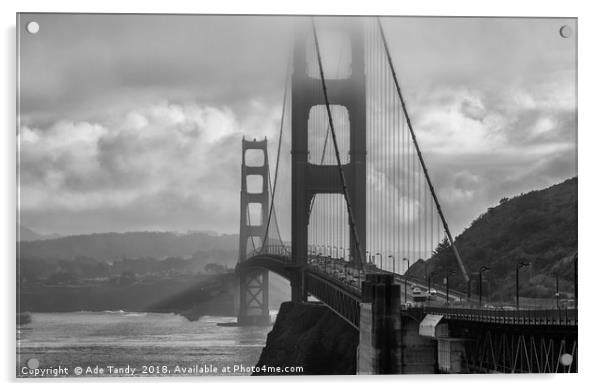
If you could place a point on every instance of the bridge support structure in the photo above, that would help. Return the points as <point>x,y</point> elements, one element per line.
<point>254,282</point>
<point>380,339</point>
<point>310,179</point>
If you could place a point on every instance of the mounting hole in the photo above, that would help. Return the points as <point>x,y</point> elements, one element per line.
<point>33,27</point>
<point>565,31</point>
<point>33,363</point>
<point>566,359</point>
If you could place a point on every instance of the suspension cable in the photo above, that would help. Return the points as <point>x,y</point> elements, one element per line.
<point>273,213</point>
<point>271,186</point>
<point>336,148</point>
<point>424,169</point>
<point>249,223</point>
<point>311,205</point>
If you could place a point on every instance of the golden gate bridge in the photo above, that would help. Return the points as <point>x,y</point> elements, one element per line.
<point>363,210</point>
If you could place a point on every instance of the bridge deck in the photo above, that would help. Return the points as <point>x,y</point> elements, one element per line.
<point>338,284</point>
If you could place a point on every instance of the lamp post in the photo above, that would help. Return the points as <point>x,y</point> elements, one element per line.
<point>557,294</point>
<point>469,287</point>
<point>447,274</point>
<point>393,259</point>
<point>431,274</point>
<point>405,280</point>
<point>368,257</point>
<point>575,283</point>
<point>381,260</point>
<point>519,265</point>
<point>481,270</point>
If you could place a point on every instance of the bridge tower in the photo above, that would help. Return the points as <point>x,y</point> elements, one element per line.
<point>310,179</point>
<point>254,283</point>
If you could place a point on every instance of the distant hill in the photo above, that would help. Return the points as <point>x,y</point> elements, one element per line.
<point>27,234</point>
<point>115,246</point>
<point>539,227</point>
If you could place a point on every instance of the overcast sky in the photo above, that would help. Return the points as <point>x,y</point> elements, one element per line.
<point>134,122</point>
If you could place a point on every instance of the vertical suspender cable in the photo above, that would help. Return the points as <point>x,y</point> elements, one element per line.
<point>273,187</point>
<point>445,226</point>
<point>391,115</point>
<point>336,148</point>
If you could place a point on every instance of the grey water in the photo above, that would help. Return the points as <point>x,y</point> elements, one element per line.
<point>154,344</point>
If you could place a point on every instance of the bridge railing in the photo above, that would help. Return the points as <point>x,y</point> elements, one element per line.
<point>274,249</point>
<point>435,285</point>
<point>560,317</point>
<point>337,269</point>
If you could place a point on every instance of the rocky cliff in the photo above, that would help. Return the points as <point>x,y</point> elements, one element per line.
<point>312,336</point>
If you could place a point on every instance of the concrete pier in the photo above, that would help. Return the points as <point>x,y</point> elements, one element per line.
<point>379,348</point>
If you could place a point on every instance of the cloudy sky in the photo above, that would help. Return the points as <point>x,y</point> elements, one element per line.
<point>134,122</point>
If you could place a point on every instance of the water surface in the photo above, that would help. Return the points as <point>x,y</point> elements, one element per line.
<point>152,341</point>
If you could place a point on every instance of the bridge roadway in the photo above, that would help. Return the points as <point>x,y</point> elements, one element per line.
<point>337,284</point>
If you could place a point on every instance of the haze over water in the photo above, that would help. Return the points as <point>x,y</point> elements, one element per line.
<point>82,339</point>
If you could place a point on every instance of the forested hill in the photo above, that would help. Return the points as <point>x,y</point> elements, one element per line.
<point>111,246</point>
<point>539,227</point>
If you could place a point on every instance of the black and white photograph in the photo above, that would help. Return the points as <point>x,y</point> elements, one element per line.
<point>274,195</point>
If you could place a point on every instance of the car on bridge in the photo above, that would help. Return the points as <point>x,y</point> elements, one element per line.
<point>418,295</point>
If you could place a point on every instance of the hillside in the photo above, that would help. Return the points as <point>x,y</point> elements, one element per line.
<point>112,246</point>
<point>539,227</point>
<point>27,234</point>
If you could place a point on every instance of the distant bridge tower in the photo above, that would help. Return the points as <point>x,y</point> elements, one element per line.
<point>254,283</point>
<point>310,179</point>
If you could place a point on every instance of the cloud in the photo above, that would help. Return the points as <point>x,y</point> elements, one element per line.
<point>161,162</point>
<point>135,122</point>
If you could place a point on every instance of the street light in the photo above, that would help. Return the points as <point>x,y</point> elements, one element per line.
<point>519,265</point>
<point>557,292</point>
<point>381,260</point>
<point>481,270</point>
<point>393,258</point>
<point>431,274</point>
<point>368,257</point>
<point>447,274</point>
<point>405,280</point>
<point>575,282</point>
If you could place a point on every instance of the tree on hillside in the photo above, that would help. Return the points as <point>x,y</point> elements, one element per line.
<point>442,247</point>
